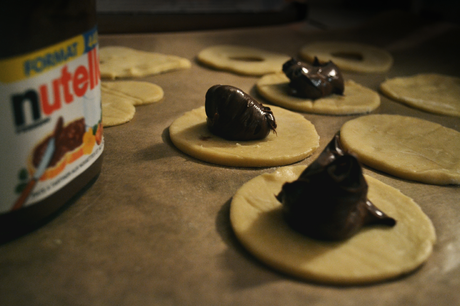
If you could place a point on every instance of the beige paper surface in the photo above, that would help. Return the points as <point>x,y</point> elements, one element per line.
<point>154,227</point>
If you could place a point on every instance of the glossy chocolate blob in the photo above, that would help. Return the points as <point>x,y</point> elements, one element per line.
<point>329,199</point>
<point>313,81</point>
<point>234,115</point>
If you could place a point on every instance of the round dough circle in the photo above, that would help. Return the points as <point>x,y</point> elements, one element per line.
<point>357,99</point>
<point>242,60</point>
<point>406,147</point>
<point>138,92</point>
<point>435,93</point>
<point>295,139</point>
<point>373,59</point>
<point>374,254</point>
<point>124,62</point>
<point>116,110</point>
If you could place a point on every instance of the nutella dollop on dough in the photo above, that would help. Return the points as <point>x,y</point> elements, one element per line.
<point>234,115</point>
<point>313,81</point>
<point>329,199</point>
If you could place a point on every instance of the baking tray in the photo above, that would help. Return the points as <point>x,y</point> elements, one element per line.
<point>154,229</point>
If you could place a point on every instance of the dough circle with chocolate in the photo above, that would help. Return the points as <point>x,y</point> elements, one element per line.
<point>374,254</point>
<point>406,147</point>
<point>355,57</point>
<point>356,99</point>
<point>242,60</point>
<point>434,93</point>
<point>295,139</point>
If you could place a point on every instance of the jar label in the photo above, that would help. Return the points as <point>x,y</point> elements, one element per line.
<point>50,119</point>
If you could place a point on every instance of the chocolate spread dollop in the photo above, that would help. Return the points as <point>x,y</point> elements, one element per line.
<point>313,81</point>
<point>329,199</point>
<point>234,115</point>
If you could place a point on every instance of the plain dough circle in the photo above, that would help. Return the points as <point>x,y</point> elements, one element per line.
<point>124,62</point>
<point>373,59</point>
<point>374,254</point>
<point>116,110</point>
<point>357,99</point>
<point>295,139</point>
<point>406,147</point>
<point>242,60</point>
<point>138,92</point>
<point>434,93</point>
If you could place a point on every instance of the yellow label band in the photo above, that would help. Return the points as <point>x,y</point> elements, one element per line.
<point>29,65</point>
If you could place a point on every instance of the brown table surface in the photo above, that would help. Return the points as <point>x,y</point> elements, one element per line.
<point>154,228</point>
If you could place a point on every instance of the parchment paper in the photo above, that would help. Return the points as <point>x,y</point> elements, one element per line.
<point>154,227</point>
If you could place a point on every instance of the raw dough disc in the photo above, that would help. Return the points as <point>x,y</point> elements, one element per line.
<point>242,60</point>
<point>374,254</point>
<point>295,139</point>
<point>357,99</point>
<point>349,56</point>
<point>138,92</point>
<point>123,62</point>
<point>116,109</point>
<point>406,147</point>
<point>435,93</point>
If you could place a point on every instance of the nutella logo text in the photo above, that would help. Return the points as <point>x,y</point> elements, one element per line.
<point>34,106</point>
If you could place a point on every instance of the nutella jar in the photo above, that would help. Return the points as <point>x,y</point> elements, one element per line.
<point>51,140</point>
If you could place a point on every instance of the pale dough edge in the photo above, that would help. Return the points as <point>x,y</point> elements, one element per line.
<point>386,88</point>
<point>272,64</point>
<point>153,88</point>
<point>174,63</point>
<point>435,177</point>
<point>117,112</point>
